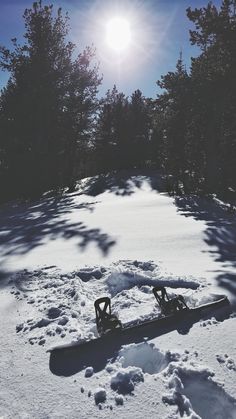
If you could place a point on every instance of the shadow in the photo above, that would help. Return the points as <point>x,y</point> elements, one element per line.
<point>220,234</point>
<point>26,226</point>
<point>4,276</point>
<point>123,183</point>
<point>97,353</point>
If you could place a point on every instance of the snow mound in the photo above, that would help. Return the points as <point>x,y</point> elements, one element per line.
<point>196,394</point>
<point>209,322</point>
<point>144,356</point>
<point>119,399</point>
<point>226,361</point>
<point>88,372</point>
<point>86,274</point>
<point>119,280</point>
<point>100,395</point>
<point>125,380</point>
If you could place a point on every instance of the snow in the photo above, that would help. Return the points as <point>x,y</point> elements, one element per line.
<point>100,395</point>
<point>193,389</point>
<point>119,399</point>
<point>126,379</point>
<point>61,299</point>
<point>88,372</point>
<point>80,230</point>
<point>59,254</point>
<point>145,356</point>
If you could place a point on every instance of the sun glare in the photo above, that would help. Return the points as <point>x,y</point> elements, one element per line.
<point>118,33</point>
<point>127,34</point>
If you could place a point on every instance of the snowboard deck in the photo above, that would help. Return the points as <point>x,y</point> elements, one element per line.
<point>148,328</point>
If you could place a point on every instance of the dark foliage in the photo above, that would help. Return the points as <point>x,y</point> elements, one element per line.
<point>47,108</point>
<point>123,131</point>
<point>194,124</point>
<point>55,131</point>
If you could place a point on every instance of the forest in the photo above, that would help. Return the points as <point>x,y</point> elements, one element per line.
<point>55,128</point>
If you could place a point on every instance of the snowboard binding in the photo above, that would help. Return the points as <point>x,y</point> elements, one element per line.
<point>104,319</point>
<point>169,305</point>
<point>107,322</point>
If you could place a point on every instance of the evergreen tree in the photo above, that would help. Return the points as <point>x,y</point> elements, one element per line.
<point>123,131</point>
<point>112,131</point>
<point>213,79</point>
<point>47,105</point>
<point>194,123</point>
<point>104,136</point>
<point>173,111</point>
<point>139,130</point>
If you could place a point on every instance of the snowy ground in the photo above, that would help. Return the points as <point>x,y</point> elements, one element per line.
<point>117,238</point>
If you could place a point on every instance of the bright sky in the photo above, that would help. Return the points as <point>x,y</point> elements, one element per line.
<point>137,40</point>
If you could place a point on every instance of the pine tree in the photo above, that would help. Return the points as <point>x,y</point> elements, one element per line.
<point>194,122</point>
<point>104,136</point>
<point>112,131</point>
<point>139,130</point>
<point>173,110</point>
<point>47,105</point>
<point>213,76</point>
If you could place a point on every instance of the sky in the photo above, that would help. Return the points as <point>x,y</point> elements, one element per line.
<point>158,31</point>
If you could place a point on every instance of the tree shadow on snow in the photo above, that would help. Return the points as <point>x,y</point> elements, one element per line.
<point>97,353</point>
<point>123,183</point>
<point>26,226</point>
<point>220,234</point>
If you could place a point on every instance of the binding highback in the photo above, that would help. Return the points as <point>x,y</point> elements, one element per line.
<point>104,311</point>
<point>169,305</point>
<point>104,319</point>
<point>160,294</point>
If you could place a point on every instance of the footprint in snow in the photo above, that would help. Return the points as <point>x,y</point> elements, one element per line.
<point>199,394</point>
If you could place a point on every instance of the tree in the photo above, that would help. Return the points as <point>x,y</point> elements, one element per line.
<point>139,130</point>
<point>213,75</point>
<point>48,104</point>
<point>123,131</point>
<point>194,121</point>
<point>112,131</point>
<point>81,106</point>
<point>172,117</point>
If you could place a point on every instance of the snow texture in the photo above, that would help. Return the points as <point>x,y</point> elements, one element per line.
<point>195,392</point>
<point>63,298</point>
<point>116,238</point>
<point>100,395</point>
<point>145,356</point>
<point>88,372</point>
<point>125,380</point>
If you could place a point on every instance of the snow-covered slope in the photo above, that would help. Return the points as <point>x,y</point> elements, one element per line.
<point>117,238</point>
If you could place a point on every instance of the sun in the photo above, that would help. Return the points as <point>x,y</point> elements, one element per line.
<point>118,33</point>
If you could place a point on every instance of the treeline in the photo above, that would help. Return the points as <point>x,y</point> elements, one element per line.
<point>54,129</point>
<point>123,131</point>
<point>195,117</point>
